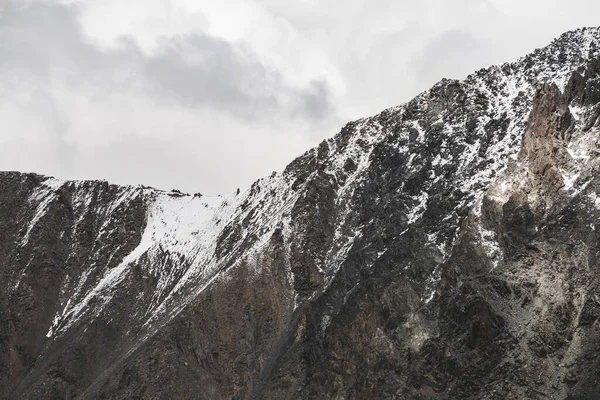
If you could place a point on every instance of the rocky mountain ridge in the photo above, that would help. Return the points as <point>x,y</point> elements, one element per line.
<point>444,248</point>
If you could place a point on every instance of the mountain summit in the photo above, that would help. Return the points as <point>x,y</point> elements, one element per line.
<point>442,249</point>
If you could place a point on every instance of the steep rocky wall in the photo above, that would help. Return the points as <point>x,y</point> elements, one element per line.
<point>50,238</point>
<point>445,248</point>
<point>516,300</point>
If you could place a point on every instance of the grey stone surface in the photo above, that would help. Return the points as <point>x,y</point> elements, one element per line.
<point>442,249</point>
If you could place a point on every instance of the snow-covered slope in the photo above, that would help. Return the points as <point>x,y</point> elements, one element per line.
<point>106,277</point>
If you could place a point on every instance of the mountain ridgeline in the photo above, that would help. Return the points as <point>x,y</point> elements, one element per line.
<point>443,249</point>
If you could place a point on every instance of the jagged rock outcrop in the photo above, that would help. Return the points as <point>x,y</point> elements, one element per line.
<point>445,248</point>
<point>518,279</point>
<point>544,146</point>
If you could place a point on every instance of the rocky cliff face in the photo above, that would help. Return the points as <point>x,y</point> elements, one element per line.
<point>445,248</point>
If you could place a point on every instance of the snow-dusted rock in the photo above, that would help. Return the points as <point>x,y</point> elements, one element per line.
<point>430,251</point>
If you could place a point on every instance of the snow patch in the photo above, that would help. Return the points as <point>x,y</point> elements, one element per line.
<point>42,196</point>
<point>569,178</point>
<point>418,210</point>
<point>594,199</point>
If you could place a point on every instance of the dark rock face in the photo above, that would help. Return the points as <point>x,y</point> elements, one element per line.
<point>443,249</point>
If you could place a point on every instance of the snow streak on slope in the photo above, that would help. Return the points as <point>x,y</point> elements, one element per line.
<point>173,221</point>
<point>45,194</point>
<point>481,118</point>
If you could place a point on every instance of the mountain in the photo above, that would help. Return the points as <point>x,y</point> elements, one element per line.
<point>442,249</point>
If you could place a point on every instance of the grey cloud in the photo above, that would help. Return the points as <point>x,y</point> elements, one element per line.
<point>190,71</point>
<point>42,42</point>
<point>200,70</point>
<point>315,101</point>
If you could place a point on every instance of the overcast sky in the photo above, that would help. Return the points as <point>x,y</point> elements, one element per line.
<point>208,96</point>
